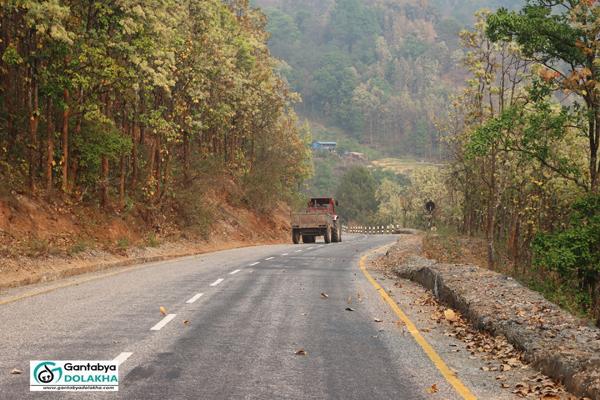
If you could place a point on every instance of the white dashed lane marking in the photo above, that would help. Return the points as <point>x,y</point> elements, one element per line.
<point>163,322</point>
<point>270,258</point>
<point>256,263</point>
<point>285,254</point>
<point>234,272</point>
<point>121,358</point>
<point>193,299</point>
<point>298,251</point>
<point>215,283</point>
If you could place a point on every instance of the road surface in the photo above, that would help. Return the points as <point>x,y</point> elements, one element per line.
<point>246,311</point>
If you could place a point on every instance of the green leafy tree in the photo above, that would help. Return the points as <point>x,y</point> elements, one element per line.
<point>563,37</point>
<point>142,94</point>
<point>356,195</point>
<point>575,251</point>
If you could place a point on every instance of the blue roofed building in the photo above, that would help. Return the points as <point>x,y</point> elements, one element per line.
<point>325,146</point>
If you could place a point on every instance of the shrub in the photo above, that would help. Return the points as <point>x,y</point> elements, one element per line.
<point>575,251</point>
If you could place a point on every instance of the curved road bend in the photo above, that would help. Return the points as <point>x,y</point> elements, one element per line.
<point>247,312</point>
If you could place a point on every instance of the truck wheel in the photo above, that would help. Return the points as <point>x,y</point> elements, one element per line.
<point>335,233</point>
<point>295,236</point>
<point>308,239</point>
<point>339,237</point>
<point>327,235</point>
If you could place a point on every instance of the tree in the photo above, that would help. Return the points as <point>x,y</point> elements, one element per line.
<point>356,195</point>
<point>562,36</point>
<point>353,22</point>
<point>392,204</point>
<point>141,95</point>
<point>575,252</point>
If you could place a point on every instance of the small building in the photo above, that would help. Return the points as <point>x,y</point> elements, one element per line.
<point>324,146</point>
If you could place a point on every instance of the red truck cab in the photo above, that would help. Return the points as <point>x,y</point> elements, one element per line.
<point>322,205</point>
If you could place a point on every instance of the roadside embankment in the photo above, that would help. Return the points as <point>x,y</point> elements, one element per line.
<point>42,241</point>
<point>560,345</point>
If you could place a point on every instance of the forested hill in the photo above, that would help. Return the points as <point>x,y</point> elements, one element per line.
<point>165,113</point>
<point>137,105</point>
<point>381,70</point>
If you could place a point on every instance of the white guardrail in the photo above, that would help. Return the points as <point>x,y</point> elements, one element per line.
<point>372,230</point>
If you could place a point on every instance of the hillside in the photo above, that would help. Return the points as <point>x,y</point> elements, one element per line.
<point>382,71</point>
<point>43,240</point>
<point>123,126</point>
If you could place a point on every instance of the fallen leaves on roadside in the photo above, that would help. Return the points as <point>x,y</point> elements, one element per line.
<point>433,389</point>
<point>349,300</point>
<point>301,352</point>
<point>186,322</point>
<point>349,309</point>
<point>506,362</point>
<point>378,320</point>
<point>450,315</point>
<point>163,310</point>
<point>16,371</point>
<point>324,295</point>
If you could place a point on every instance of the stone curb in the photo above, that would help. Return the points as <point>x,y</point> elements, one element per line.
<point>558,344</point>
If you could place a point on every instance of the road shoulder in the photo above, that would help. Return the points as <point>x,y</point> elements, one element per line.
<point>489,365</point>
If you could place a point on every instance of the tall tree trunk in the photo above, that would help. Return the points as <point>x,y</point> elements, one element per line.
<point>158,166</point>
<point>33,127</point>
<point>491,213</point>
<point>73,160</point>
<point>151,162</point>
<point>122,180</point>
<point>134,156</point>
<point>49,146</point>
<point>594,145</point>
<point>166,172</point>
<point>104,199</point>
<point>65,144</point>
<point>186,157</point>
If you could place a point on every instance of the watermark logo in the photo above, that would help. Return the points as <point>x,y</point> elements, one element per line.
<point>73,375</point>
<point>46,372</point>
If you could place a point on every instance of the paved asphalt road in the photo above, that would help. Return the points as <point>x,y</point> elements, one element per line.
<point>257,307</point>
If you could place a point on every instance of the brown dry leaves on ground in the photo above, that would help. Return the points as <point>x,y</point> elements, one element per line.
<point>502,360</point>
<point>498,354</point>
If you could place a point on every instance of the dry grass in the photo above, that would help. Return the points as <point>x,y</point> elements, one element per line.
<point>402,166</point>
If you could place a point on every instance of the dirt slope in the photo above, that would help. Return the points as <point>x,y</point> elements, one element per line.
<point>43,239</point>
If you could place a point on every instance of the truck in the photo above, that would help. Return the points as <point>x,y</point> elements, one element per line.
<point>319,219</point>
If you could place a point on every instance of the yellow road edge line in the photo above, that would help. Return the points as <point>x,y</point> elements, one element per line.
<point>446,372</point>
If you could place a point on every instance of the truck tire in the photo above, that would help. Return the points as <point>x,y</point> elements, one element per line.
<point>336,233</point>
<point>308,239</point>
<point>339,237</point>
<point>295,236</point>
<point>327,235</point>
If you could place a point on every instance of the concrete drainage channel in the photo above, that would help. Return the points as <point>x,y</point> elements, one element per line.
<point>553,341</point>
